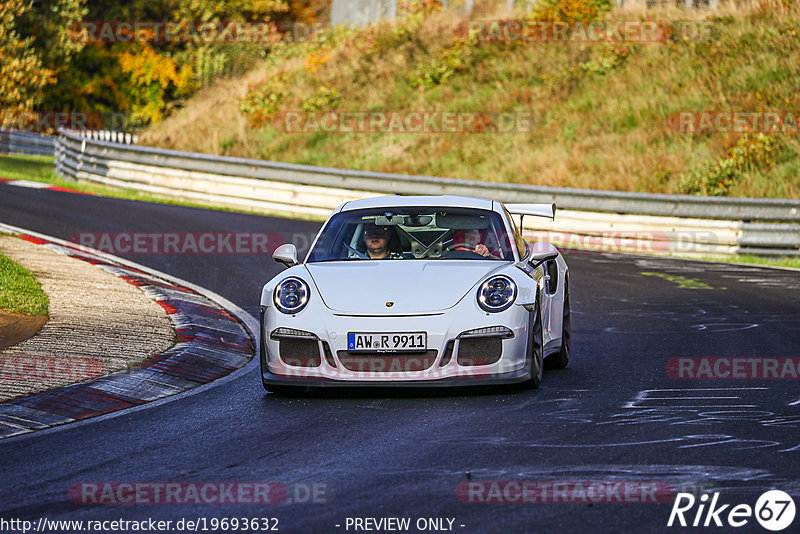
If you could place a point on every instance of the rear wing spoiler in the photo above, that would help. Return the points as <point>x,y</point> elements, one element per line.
<point>537,210</point>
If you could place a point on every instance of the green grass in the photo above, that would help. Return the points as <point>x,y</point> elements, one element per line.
<point>783,261</point>
<point>19,290</point>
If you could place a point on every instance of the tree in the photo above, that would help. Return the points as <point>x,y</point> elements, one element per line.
<point>23,75</point>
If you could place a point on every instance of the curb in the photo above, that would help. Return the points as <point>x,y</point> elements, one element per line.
<point>41,185</point>
<point>211,342</point>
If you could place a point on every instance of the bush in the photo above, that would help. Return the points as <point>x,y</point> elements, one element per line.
<point>326,98</point>
<point>261,104</point>
<point>571,11</point>
<point>752,152</point>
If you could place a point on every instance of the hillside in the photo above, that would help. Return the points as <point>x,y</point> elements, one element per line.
<point>603,115</point>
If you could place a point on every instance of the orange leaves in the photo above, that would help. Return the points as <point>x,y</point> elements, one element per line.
<point>317,58</point>
<point>571,10</point>
<point>146,66</point>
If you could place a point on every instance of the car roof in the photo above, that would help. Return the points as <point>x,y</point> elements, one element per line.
<point>449,201</point>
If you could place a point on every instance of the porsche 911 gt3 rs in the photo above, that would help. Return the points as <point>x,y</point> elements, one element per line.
<point>417,291</point>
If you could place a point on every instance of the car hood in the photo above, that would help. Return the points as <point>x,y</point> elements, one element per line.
<point>414,286</point>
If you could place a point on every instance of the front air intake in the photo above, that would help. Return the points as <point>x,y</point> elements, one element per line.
<point>300,352</point>
<point>479,351</point>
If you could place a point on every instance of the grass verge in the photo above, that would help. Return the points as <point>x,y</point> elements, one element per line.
<point>783,261</point>
<point>19,290</point>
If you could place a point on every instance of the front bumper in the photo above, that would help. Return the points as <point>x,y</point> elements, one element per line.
<point>512,377</point>
<point>512,366</point>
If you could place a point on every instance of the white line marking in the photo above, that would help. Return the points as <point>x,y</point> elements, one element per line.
<point>686,398</point>
<point>249,322</point>
<point>704,406</point>
<point>27,183</point>
<point>698,389</point>
<point>641,400</point>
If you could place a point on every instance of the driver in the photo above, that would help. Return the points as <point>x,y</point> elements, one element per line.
<point>376,238</point>
<point>470,241</point>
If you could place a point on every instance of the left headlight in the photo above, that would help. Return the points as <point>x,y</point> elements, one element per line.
<point>497,293</point>
<point>291,295</point>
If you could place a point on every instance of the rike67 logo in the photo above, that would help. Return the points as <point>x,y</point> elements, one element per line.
<point>774,510</point>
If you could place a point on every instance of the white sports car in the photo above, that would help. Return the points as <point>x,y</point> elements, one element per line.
<point>417,291</point>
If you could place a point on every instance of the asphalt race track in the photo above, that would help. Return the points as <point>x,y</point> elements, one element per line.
<point>615,414</point>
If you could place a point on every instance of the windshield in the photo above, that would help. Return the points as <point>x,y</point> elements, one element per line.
<point>414,233</point>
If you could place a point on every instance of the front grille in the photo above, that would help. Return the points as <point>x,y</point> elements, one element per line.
<point>300,352</point>
<point>382,362</point>
<point>479,351</point>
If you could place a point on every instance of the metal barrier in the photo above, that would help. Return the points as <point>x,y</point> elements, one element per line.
<point>604,220</point>
<point>23,142</point>
<point>19,142</point>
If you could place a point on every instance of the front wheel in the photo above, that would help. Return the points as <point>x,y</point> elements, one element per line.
<point>536,351</point>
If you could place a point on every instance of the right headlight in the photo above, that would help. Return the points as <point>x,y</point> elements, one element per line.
<point>291,295</point>
<point>497,293</point>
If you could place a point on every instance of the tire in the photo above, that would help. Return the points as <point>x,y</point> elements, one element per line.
<point>560,359</point>
<point>536,351</point>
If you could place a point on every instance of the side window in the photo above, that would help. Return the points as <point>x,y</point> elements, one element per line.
<point>517,236</point>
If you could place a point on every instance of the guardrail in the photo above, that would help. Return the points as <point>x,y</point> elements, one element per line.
<point>22,142</point>
<point>606,220</point>
<point>19,142</point>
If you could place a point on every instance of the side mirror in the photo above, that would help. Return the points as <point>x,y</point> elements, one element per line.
<point>540,257</point>
<point>542,252</point>
<point>286,254</point>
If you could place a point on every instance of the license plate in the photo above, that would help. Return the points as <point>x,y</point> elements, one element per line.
<point>390,342</point>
